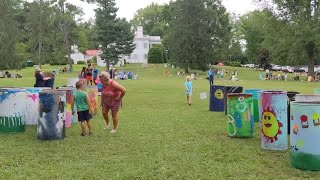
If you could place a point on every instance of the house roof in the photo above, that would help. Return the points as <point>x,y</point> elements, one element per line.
<point>92,52</point>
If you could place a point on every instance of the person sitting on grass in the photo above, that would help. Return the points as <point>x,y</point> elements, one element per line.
<point>84,108</point>
<point>189,88</point>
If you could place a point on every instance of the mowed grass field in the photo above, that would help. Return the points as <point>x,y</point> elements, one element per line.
<point>159,136</point>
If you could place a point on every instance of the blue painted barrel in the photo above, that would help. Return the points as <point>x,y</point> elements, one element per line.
<point>231,89</point>
<point>274,120</point>
<point>257,106</point>
<point>217,98</point>
<point>51,124</point>
<point>304,136</point>
<point>12,110</point>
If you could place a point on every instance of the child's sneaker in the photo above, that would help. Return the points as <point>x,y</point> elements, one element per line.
<point>106,127</point>
<point>113,131</point>
<point>83,134</point>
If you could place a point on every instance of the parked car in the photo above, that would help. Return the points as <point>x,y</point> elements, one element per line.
<point>298,70</point>
<point>287,69</point>
<point>276,68</point>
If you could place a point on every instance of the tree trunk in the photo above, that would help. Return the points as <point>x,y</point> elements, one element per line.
<point>311,50</point>
<point>311,64</point>
<point>39,52</point>
<point>66,38</point>
<point>108,65</point>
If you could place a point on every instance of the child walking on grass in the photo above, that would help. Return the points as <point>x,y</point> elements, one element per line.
<point>84,108</point>
<point>189,89</point>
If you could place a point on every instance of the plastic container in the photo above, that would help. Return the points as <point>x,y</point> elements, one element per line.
<point>273,122</point>
<point>12,110</point>
<point>305,146</point>
<point>51,124</point>
<point>232,89</point>
<point>217,98</point>
<point>240,115</point>
<point>257,106</point>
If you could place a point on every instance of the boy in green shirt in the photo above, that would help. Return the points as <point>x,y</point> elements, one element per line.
<point>84,108</point>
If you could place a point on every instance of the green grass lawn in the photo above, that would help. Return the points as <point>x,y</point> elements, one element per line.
<point>159,137</point>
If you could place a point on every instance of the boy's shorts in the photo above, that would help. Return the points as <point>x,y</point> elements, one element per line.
<point>84,116</point>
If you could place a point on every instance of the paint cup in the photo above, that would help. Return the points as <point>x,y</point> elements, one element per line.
<point>273,122</point>
<point>217,98</point>
<point>51,124</point>
<point>291,98</point>
<point>232,89</point>
<point>305,148</point>
<point>68,106</point>
<point>93,97</point>
<point>12,110</point>
<point>257,106</point>
<point>240,115</point>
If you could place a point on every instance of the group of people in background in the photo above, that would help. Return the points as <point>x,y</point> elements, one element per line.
<point>282,76</point>
<point>90,74</point>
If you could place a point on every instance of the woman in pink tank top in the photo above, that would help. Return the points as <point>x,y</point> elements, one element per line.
<point>111,99</point>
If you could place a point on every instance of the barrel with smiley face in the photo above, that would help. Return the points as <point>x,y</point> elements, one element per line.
<point>305,148</point>
<point>217,98</point>
<point>274,120</point>
<point>240,115</point>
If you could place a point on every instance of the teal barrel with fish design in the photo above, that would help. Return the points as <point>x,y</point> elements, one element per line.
<point>12,110</point>
<point>304,132</point>
<point>257,106</point>
<point>240,115</point>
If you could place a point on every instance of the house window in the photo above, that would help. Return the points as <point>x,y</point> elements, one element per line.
<point>146,45</point>
<point>145,56</point>
<point>135,56</point>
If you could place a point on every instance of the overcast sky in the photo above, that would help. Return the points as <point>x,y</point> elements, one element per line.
<point>127,8</point>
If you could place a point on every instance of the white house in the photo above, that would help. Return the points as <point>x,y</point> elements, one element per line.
<point>143,44</point>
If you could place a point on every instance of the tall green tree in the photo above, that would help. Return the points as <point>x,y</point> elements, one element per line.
<point>8,31</point>
<point>115,35</point>
<point>302,19</point>
<point>152,19</point>
<point>199,33</point>
<point>38,15</point>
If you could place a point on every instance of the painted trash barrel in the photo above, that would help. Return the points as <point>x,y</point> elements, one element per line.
<point>257,106</point>
<point>307,97</point>
<point>51,124</point>
<point>240,115</point>
<point>231,89</point>
<point>12,110</point>
<point>68,106</point>
<point>291,98</point>
<point>305,149</point>
<point>274,120</point>
<point>74,90</point>
<point>217,98</point>
<point>93,97</point>
<point>32,111</point>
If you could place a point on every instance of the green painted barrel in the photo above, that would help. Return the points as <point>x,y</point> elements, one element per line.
<point>240,115</point>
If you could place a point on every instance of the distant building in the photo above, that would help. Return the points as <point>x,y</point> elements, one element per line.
<point>143,44</point>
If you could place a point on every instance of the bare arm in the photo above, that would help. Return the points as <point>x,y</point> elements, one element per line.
<point>120,88</point>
